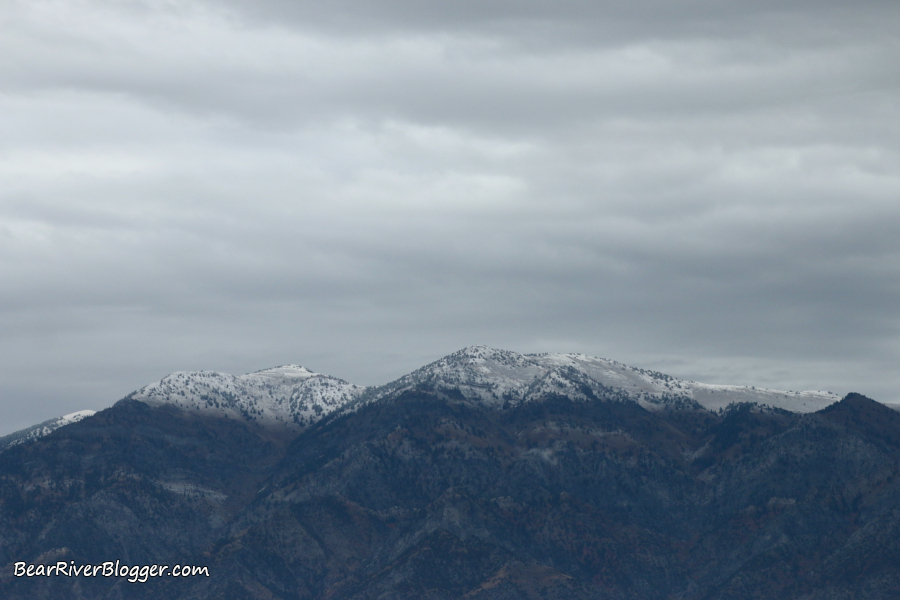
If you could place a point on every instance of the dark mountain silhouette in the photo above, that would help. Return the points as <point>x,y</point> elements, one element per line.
<point>424,493</point>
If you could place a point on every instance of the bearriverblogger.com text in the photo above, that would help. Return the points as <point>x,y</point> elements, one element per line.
<point>134,573</point>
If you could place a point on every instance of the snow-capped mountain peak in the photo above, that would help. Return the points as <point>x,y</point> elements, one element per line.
<point>289,395</point>
<point>480,373</point>
<point>285,372</point>
<point>497,378</point>
<point>294,396</point>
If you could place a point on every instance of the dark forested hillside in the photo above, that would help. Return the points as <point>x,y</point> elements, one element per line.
<point>424,495</point>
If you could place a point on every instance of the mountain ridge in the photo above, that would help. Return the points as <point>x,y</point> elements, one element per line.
<point>429,493</point>
<point>44,428</point>
<point>493,377</point>
<point>295,397</point>
<point>288,395</point>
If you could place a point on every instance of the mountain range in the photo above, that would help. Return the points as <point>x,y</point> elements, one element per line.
<point>294,396</point>
<point>486,474</point>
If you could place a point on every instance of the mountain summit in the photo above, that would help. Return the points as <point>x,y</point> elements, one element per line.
<point>289,395</point>
<point>498,378</point>
<point>485,475</point>
<point>294,396</point>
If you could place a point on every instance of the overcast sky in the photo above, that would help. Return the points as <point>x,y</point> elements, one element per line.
<point>709,189</point>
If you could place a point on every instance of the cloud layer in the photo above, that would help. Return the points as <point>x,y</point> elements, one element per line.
<point>363,187</point>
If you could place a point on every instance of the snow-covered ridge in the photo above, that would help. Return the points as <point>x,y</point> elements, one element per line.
<point>502,378</point>
<point>42,429</point>
<point>294,396</point>
<point>289,395</point>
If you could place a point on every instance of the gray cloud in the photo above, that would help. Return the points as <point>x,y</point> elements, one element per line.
<point>362,188</point>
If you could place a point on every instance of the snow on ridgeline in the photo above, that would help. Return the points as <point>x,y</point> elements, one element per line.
<point>499,377</point>
<point>294,396</point>
<point>289,395</point>
<point>41,429</point>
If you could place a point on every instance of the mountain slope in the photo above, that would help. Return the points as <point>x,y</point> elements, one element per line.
<point>498,378</point>
<point>41,429</point>
<point>427,497</point>
<point>295,397</point>
<point>289,395</point>
<point>136,483</point>
<point>571,490</point>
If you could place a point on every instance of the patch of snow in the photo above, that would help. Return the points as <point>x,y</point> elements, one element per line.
<point>41,429</point>
<point>289,395</point>
<point>492,377</point>
<point>294,396</point>
<point>75,417</point>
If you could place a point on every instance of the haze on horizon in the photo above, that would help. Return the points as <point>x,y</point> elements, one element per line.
<point>710,192</point>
